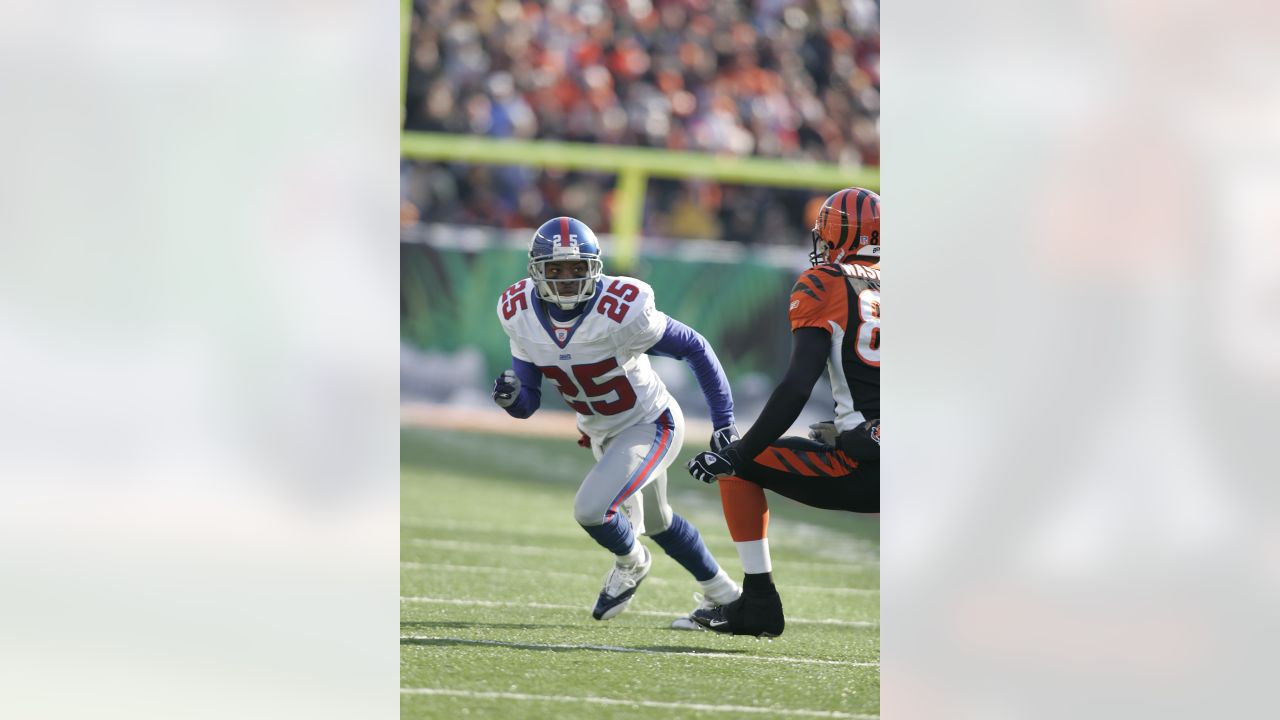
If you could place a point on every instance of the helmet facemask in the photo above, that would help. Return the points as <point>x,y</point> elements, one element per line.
<point>824,252</point>
<point>567,290</point>
<point>819,254</point>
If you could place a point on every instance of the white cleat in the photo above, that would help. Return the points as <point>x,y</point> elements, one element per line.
<point>687,622</point>
<point>620,586</point>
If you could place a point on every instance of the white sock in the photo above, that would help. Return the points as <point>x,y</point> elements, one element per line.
<point>721,588</point>
<point>754,555</point>
<point>632,558</point>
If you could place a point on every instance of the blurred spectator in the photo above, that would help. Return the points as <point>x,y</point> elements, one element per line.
<point>775,78</point>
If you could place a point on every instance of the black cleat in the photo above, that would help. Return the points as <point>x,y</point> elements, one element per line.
<point>758,615</point>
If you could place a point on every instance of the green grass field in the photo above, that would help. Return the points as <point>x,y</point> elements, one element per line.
<point>497,582</point>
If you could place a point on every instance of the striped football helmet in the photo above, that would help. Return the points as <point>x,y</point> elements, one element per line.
<point>848,228</point>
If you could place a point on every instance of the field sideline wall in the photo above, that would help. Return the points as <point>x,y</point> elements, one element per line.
<point>449,291</point>
<point>448,299</point>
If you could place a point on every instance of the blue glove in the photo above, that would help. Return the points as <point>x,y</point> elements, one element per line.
<point>506,389</point>
<point>721,439</point>
<point>709,466</point>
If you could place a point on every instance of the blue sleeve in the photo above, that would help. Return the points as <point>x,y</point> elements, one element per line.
<point>530,389</point>
<point>684,343</point>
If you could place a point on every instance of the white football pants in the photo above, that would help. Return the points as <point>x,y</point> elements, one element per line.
<point>630,475</point>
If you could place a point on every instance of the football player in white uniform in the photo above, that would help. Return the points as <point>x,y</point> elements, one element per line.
<point>589,334</point>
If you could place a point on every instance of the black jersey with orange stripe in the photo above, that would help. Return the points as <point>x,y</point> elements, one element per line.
<point>844,300</point>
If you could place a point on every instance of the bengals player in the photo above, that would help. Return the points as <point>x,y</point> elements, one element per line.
<point>835,322</point>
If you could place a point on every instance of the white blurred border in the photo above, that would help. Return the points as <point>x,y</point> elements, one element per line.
<point>1083,291</point>
<point>198,293</point>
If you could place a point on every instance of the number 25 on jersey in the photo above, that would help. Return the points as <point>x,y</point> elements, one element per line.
<point>614,304</point>
<point>588,377</point>
<point>514,299</point>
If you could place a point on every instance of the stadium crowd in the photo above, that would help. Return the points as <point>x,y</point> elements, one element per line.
<point>772,78</point>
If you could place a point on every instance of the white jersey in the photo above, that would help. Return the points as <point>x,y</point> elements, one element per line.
<point>598,364</point>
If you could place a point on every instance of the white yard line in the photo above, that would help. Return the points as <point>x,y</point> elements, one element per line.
<point>574,532</point>
<point>564,533</point>
<point>656,581</point>
<point>553,531</point>
<point>738,709</point>
<point>494,569</point>
<point>820,589</point>
<point>596,552</point>
<point>584,608</point>
<point>505,547</point>
<point>645,651</point>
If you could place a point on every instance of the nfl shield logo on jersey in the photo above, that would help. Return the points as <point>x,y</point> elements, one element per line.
<point>561,334</point>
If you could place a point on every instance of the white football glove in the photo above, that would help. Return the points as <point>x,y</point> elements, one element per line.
<point>506,389</point>
<point>720,439</point>
<point>823,432</point>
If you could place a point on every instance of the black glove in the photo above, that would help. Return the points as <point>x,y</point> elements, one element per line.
<point>723,437</point>
<point>506,389</point>
<point>709,466</point>
<point>862,442</point>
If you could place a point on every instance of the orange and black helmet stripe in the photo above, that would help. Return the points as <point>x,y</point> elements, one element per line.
<point>844,218</point>
<point>857,211</point>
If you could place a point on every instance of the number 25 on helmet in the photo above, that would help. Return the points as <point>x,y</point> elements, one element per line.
<point>565,239</point>
<point>848,228</point>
